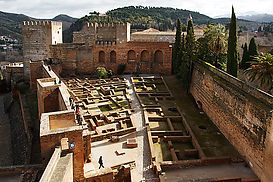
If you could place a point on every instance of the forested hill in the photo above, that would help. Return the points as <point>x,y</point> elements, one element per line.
<point>157,16</point>
<point>140,17</point>
<point>10,23</point>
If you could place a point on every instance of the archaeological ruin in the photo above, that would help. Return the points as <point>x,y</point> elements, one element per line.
<point>140,124</point>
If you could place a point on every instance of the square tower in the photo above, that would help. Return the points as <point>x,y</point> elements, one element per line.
<point>37,38</point>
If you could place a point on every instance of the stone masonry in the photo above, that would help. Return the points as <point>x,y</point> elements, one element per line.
<point>241,112</point>
<point>107,45</point>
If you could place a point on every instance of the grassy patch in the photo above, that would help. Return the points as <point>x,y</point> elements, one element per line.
<point>210,139</point>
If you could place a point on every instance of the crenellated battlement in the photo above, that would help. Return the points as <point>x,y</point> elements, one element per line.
<point>41,23</point>
<point>105,25</point>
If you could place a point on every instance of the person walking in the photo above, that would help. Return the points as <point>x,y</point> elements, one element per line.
<point>78,114</point>
<point>100,162</point>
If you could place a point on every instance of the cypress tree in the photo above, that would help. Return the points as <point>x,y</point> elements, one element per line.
<point>181,57</point>
<point>232,53</point>
<point>176,47</point>
<point>245,58</point>
<point>190,40</point>
<point>186,64</point>
<point>253,51</point>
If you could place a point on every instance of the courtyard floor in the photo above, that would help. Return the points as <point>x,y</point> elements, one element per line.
<point>209,173</point>
<point>211,140</point>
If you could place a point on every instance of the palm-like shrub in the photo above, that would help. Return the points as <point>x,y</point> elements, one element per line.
<point>261,71</point>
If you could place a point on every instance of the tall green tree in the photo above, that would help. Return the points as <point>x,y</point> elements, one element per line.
<point>261,72</point>
<point>190,52</point>
<point>253,50</point>
<point>232,52</point>
<point>213,47</point>
<point>182,57</point>
<point>176,47</point>
<point>244,64</point>
<point>190,41</point>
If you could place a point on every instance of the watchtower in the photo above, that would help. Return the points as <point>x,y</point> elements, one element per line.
<point>37,38</point>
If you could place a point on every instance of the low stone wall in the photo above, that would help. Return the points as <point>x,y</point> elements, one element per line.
<point>241,112</point>
<point>116,133</point>
<point>51,165</point>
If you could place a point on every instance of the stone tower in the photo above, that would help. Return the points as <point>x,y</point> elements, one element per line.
<point>37,38</point>
<point>103,33</point>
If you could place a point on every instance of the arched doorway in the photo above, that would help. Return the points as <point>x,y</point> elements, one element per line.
<point>131,56</point>
<point>101,57</point>
<point>158,57</point>
<point>144,56</point>
<point>113,57</point>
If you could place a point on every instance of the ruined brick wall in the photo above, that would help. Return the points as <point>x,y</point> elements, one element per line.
<point>109,177</point>
<point>35,73</point>
<point>49,142</point>
<point>15,73</point>
<point>87,147</point>
<point>147,57</point>
<point>241,112</point>
<point>47,99</point>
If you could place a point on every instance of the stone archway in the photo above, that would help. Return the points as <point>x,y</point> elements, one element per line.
<point>113,57</point>
<point>144,56</point>
<point>131,56</point>
<point>101,57</point>
<point>158,57</point>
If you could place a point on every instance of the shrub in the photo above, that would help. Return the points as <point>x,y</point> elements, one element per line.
<point>101,72</point>
<point>121,69</point>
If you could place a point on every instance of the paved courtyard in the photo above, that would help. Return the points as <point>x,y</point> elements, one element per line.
<point>115,154</point>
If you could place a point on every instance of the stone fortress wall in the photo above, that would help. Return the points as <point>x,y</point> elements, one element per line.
<point>94,33</point>
<point>241,112</point>
<point>107,45</point>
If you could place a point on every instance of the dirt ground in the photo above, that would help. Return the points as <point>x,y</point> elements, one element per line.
<point>211,140</point>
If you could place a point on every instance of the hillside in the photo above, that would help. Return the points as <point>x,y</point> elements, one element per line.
<point>10,23</point>
<point>262,18</point>
<point>242,24</point>
<point>141,17</point>
<point>65,19</point>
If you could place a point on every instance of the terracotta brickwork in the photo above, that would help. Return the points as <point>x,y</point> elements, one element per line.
<point>241,112</point>
<point>36,72</point>
<point>98,33</point>
<point>146,57</point>
<point>95,45</point>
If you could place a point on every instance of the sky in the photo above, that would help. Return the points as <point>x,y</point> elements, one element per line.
<point>79,8</point>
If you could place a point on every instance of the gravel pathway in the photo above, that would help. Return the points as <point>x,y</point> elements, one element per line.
<point>143,161</point>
